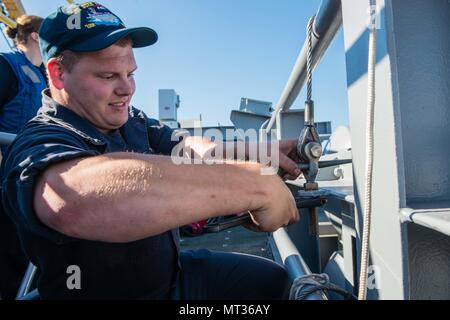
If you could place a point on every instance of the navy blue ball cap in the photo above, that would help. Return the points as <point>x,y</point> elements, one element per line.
<point>87,27</point>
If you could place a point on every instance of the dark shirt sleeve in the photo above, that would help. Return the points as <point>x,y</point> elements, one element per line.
<point>34,151</point>
<point>9,86</point>
<point>162,138</point>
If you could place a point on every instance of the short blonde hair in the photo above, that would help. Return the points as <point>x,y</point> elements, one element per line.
<point>69,58</point>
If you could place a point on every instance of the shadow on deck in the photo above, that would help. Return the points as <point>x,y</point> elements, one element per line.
<point>237,239</point>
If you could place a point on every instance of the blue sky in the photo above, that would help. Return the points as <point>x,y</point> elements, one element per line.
<point>214,52</point>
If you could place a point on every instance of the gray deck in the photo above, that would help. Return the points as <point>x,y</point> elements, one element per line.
<point>237,239</point>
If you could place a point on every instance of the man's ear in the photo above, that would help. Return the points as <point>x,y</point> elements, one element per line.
<point>56,73</point>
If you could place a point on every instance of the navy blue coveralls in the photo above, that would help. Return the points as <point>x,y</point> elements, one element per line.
<point>152,268</point>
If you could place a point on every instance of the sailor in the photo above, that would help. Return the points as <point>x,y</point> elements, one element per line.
<point>23,76</point>
<point>22,81</point>
<point>97,197</point>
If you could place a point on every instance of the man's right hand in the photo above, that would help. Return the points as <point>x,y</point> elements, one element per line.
<point>280,209</point>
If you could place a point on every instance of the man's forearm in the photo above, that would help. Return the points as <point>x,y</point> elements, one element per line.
<point>127,197</point>
<point>205,149</point>
<point>253,151</point>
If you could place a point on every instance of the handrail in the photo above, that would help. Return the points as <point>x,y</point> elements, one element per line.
<point>7,20</point>
<point>27,282</point>
<point>327,23</point>
<point>14,7</point>
<point>293,260</point>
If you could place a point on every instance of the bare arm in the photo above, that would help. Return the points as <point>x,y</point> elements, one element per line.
<point>278,154</point>
<point>127,197</point>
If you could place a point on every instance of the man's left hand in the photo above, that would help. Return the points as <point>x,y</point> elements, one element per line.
<point>289,160</point>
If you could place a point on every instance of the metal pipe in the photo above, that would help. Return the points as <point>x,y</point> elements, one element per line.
<point>27,282</point>
<point>327,23</point>
<point>309,113</point>
<point>8,21</point>
<point>327,163</point>
<point>293,260</point>
<point>14,7</point>
<point>6,138</point>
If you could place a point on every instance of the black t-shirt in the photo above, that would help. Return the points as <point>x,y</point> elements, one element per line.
<point>144,269</point>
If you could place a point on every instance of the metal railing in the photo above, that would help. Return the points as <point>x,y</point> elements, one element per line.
<point>293,260</point>
<point>327,23</point>
<point>27,284</point>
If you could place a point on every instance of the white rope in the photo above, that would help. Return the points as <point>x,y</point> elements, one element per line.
<point>362,292</point>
